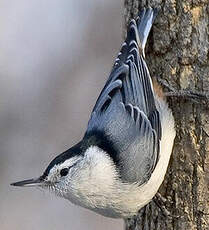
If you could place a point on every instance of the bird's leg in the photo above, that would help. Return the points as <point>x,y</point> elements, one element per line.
<point>130,223</point>
<point>194,96</point>
<point>160,201</point>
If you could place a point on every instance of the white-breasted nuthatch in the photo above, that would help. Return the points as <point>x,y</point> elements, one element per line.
<point>120,163</point>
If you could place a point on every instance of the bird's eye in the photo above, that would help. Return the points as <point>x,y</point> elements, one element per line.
<point>64,172</point>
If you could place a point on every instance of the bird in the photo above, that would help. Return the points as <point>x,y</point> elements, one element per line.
<point>121,161</point>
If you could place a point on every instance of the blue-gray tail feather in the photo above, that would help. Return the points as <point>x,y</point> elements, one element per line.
<point>144,24</point>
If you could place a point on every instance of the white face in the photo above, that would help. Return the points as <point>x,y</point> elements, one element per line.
<point>60,176</point>
<point>87,180</point>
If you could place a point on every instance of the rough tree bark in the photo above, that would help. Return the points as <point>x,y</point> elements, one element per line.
<point>178,52</point>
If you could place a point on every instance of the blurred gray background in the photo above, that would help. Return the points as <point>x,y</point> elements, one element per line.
<point>54,59</point>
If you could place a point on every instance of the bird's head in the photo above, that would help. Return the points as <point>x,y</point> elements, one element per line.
<point>60,173</point>
<point>85,175</point>
<point>79,174</point>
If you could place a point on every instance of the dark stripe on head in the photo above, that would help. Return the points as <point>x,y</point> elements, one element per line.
<point>74,151</point>
<point>94,138</point>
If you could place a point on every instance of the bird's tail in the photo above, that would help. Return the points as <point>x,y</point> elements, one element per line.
<point>144,24</point>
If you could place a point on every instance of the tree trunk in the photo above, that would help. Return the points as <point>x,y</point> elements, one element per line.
<point>178,52</point>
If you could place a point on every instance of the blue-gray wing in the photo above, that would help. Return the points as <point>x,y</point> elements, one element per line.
<point>125,112</point>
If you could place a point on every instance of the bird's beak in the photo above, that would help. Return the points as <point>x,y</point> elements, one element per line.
<point>29,183</point>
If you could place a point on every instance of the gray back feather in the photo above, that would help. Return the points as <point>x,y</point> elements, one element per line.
<point>125,111</point>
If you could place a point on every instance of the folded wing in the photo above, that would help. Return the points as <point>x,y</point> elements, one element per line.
<point>125,112</point>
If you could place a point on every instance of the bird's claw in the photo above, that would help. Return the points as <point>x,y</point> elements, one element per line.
<point>193,95</point>
<point>160,201</point>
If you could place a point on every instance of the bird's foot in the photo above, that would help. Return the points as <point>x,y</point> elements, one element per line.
<point>194,96</point>
<point>131,223</point>
<point>160,201</point>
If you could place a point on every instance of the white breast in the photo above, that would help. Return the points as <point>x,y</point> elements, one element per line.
<point>100,189</point>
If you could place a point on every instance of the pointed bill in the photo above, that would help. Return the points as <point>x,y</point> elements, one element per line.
<point>29,183</point>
